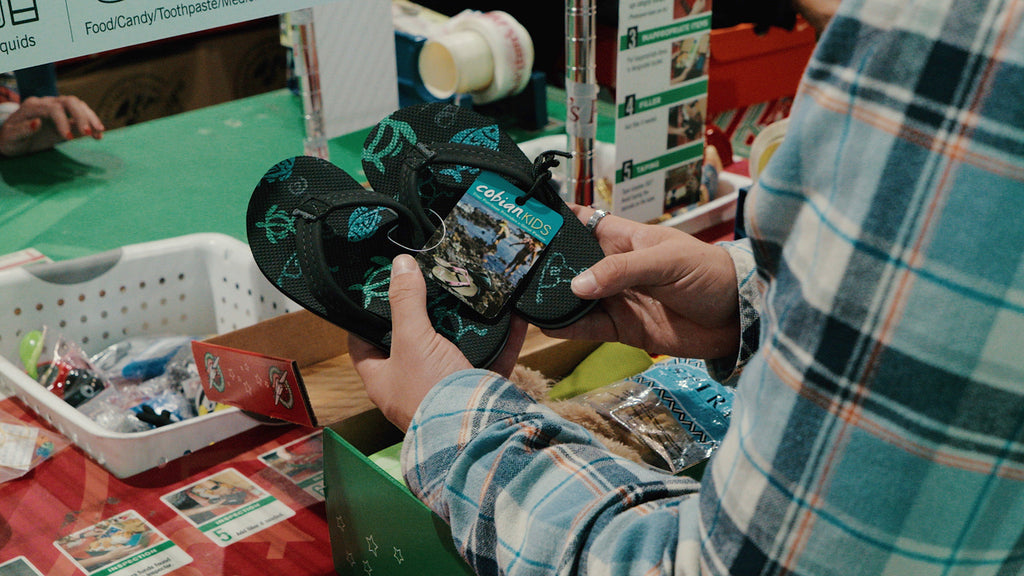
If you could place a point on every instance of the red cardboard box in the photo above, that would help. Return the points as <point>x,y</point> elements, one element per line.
<point>296,368</point>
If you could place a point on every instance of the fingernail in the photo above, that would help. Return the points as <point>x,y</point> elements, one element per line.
<point>68,135</point>
<point>403,264</point>
<point>584,284</point>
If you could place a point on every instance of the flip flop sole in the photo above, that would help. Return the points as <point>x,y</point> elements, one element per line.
<point>342,273</point>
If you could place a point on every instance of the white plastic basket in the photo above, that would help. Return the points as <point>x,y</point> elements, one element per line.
<point>193,285</point>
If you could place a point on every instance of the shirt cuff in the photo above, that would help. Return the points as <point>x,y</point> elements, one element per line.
<point>448,418</point>
<point>750,287</point>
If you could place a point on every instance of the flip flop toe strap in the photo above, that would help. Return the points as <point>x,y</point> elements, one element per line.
<point>309,235</point>
<point>423,155</point>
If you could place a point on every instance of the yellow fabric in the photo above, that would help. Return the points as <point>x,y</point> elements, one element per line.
<point>610,362</point>
<point>388,459</point>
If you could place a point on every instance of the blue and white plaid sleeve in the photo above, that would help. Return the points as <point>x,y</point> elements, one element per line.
<point>878,429</point>
<point>526,492</point>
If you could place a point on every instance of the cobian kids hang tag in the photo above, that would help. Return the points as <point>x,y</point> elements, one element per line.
<point>488,243</point>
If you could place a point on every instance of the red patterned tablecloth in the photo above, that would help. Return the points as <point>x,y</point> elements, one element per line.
<point>70,492</point>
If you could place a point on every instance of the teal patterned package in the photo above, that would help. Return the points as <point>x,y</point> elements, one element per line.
<point>674,414</point>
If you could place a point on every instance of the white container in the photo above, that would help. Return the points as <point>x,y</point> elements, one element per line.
<point>693,221</point>
<point>488,55</point>
<point>194,285</point>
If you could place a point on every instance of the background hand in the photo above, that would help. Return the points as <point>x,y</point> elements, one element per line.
<point>662,290</point>
<point>40,123</point>
<point>420,357</point>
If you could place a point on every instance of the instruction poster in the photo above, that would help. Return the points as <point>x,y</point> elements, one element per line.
<point>40,31</point>
<point>661,106</point>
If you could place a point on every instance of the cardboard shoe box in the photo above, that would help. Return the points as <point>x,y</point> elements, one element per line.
<point>296,367</point>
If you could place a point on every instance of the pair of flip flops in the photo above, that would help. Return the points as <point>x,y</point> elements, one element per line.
<point>456,278</point>
<point>327,242</point>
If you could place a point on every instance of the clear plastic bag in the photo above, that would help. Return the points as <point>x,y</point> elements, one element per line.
<point>138,359</point>
<point>70,375</point>
<point>24,446</point>
<point>673,414</point>
<point>134,406</point>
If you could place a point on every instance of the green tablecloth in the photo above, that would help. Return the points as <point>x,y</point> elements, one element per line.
<point>193,172</point>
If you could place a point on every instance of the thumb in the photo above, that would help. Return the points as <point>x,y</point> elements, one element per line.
<point>610,275</point>
<point>644,267</point>
<point>408,297</point>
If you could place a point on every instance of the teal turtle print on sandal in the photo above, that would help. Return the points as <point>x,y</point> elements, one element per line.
<point>485,137</point>
<point>555,273</point>
<point>450,323</point>
<point>291,269</point>
<point>277,224</point>
<point>376,282</point>
<point>280,171</point>
<point>401,134</point>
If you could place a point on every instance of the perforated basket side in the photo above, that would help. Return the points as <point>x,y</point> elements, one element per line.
<point>197,285</point>
<point>123,454</point>
<point>161,292</point>
<point>241,295</point>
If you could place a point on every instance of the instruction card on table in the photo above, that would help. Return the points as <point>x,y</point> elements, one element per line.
<point>17,445</point>
<point>19,566</point>
<point>40,31</point>
<point>302,462</point>
<point>661,106</point>
<point>227,506</point>
<point>124,545</point>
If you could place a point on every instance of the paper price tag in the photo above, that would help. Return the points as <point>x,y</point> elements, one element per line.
<point>488,243</point>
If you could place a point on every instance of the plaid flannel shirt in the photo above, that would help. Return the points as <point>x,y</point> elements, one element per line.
<point>878,426</point>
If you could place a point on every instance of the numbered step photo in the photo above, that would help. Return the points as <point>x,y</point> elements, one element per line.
<point>227,506</point>
<point>124,545</point>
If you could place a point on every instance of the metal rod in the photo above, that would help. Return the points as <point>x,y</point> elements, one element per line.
<point>581,98</point>
<point>308,71</point>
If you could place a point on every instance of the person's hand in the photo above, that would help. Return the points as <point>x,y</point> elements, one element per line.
<point>40,123</point>
<point>818,13</point>
<point>661,290</point>
<point>420,357</point>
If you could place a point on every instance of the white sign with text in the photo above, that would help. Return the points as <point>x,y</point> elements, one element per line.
<point>661,106</point>
<point>40,31</point>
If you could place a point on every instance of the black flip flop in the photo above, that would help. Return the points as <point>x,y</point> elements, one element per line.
<point>327,243</point>
<point>427,157</point>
